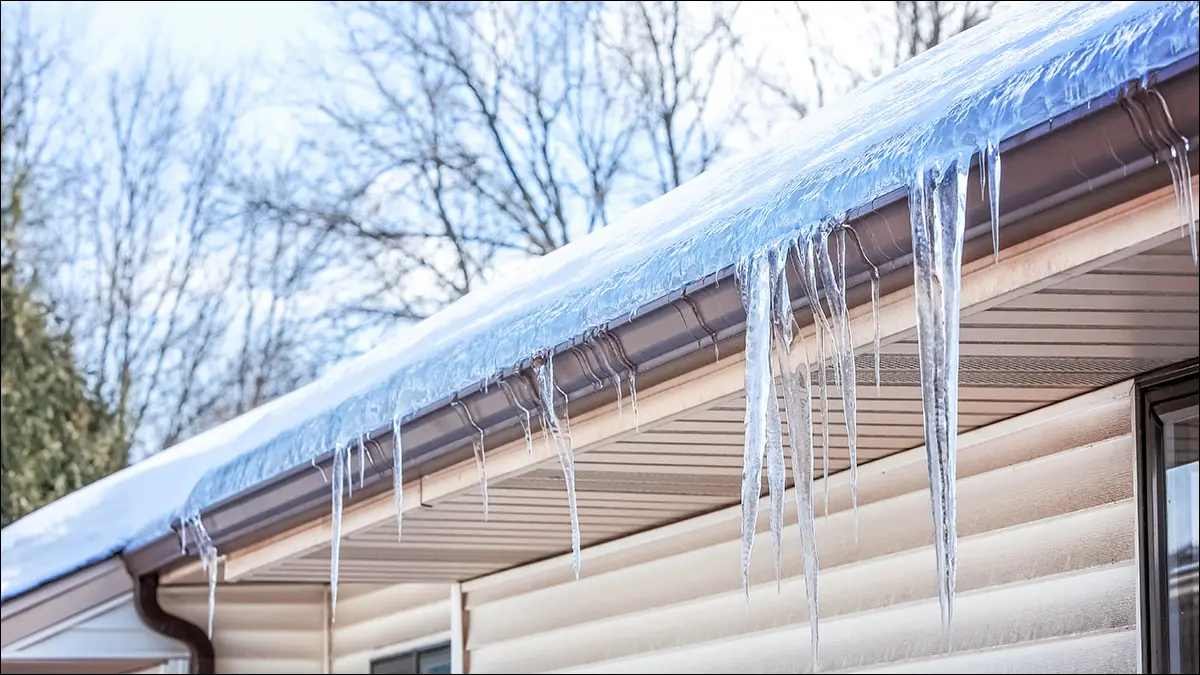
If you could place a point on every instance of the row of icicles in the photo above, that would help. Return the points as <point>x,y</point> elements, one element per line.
<point>779,357</point>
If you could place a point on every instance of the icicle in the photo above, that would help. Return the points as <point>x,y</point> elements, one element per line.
<point>637,423</point>
<point>397,476</point>
<point>807,264</point>
<point>620,403</point>
<point>754,283</point>
<point>989,176</point>
<point>875,324</point>
<point>835,297</point>
<point>316,466</point>
<point>349,474</point>
<point>478,449</point>
<point>562,445</point>
<point>776,479</point>
<point>362,461</point>
<point>797,400</point>
<point>340,468</point>
<point>937,200</point>
<point>526,417</point>
<point>208,560</point>
<point>825,415</point>
<point>1183,188</point>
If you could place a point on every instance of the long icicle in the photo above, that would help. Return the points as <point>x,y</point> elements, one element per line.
<point>937,200</point>
<point>835,297</point>
<point>754,284</point>
<point>806,260</point>
<point>561,442</point>
<point>397,476</point>
<point>875,325</point>
<point>338,485</point>
<point>209,559</point>
<point>781,318</point>
<point>797,399</point>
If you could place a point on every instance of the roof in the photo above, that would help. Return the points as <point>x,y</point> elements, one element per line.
<point>1024,68</point>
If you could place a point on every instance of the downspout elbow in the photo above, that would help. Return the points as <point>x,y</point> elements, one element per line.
<point>159,620</point>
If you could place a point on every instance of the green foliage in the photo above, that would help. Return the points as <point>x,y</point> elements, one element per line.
<point>55,437</point>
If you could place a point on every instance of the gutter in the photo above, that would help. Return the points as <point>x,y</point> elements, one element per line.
<point>159,620</point>
<point>1053,174</point>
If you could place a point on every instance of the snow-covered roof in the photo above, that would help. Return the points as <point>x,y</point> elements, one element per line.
<point>982,86</point>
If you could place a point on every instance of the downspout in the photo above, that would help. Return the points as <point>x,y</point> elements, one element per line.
<point>159,620</point>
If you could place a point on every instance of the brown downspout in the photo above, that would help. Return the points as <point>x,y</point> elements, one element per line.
<point>159,620</point>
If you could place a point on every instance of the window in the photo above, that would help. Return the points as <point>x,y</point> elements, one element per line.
<point>431,660</point>
<point>1169,464</point>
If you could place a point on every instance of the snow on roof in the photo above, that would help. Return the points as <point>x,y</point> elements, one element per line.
<point>1014,72</point>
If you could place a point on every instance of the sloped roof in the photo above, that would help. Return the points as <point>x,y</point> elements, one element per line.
<point>986,84</point>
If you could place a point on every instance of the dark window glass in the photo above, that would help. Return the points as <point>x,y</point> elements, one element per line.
<point>432,660</point>
<point>1171,505</point>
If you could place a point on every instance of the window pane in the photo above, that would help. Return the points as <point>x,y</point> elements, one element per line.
<point>404,664</point>
<point>434,660</point>
<point>1181,455</point>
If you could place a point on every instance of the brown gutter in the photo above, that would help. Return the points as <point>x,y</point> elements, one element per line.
<point>159,620</point>
<point>1053,174</point>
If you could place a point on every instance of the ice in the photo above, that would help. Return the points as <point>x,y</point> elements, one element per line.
<point>843,342</point>
<point>526,419</point>
<point>340,470</point>
<point>477,449</point>
<point>397,476</point>
<point>989,177</point>
<point>637,422</point>
<point>754,284</point>
<point>776,476</point>
<point>875,325</point>
<point>560,439</point>
<point>209,559</point>
<point>1026,67</point>
<point>806,263</point>
<point>362,461</point>
<point>937,200</point>
<point>781,318</point>
<point>795,376</point>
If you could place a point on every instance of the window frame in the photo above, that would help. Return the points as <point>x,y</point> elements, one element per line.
<point>415,654</point>
<point>1177,382</point>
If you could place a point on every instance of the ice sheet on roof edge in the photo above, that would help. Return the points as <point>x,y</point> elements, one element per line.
<point>759,200</point>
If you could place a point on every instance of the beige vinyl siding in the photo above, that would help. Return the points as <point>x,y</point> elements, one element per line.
<point>1046,576</point>
<point>259,628</point>
<point>374,621</point>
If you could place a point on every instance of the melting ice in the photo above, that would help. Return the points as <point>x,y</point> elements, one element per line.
<point>208,559</point>
<point>560,438</point>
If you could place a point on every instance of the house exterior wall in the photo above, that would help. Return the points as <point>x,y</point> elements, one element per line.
<point>108,632</point>
<point>1047,576</point>
<point>375,621</point>
<point>259,628</point>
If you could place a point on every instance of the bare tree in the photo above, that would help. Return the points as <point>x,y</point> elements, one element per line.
<point>189,309</point>
<point>841,46</point>
<point>185,308</point>
<point>674,55</point>
<point>924,24</point>
<point>454,139</point>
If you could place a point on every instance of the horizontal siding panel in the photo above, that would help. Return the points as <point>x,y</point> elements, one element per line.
<point>1100,599</point>
<point>1112,652</point>
<point>1039,560</point>
<point>377,620</point>
<point>1031,490</point>
<point>259,628</point>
